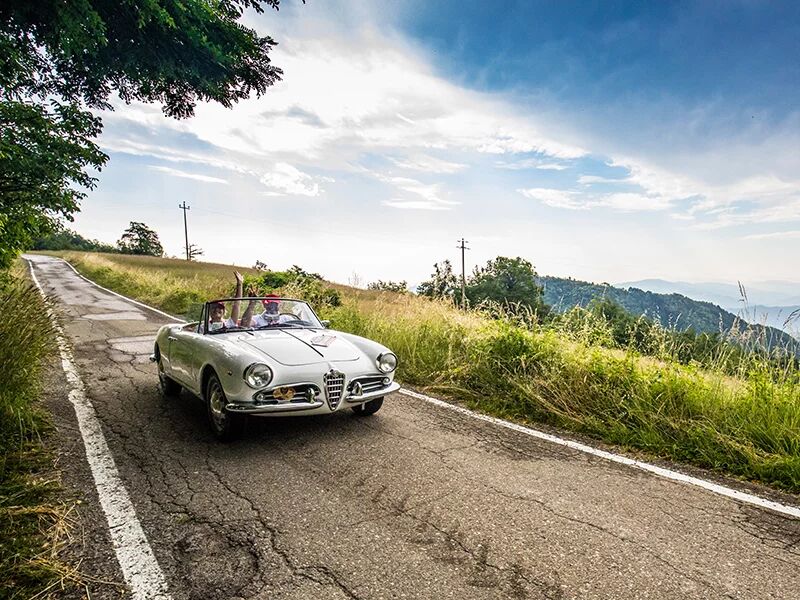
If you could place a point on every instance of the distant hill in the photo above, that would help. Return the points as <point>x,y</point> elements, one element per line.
<point>726,295</point>
<point>671,310</point>
<point>769,303</point>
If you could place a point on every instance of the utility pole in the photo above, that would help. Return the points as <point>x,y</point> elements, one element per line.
<point>463,246</point>
<point>185,228</point>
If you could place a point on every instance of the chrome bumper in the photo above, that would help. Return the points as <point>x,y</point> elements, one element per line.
<point>263,409</point>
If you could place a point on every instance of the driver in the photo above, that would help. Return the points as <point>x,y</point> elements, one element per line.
<point>271,314</point>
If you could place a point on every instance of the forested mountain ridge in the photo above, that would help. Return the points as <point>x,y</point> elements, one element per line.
<point>671,310</point>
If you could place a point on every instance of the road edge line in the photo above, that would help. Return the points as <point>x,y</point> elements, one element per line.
<point>105,289</point>
<point>135,556</point>
<point>716,488</point>
<point>710,486</point>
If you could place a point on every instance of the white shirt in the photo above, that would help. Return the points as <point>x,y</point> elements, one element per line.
<point>267,319</point>
<point>213,326</point>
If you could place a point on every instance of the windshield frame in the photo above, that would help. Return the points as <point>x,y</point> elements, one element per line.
<point>206,315</point>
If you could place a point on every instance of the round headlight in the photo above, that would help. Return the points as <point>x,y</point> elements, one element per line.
<point>387,362</point>
<point>258,376</point>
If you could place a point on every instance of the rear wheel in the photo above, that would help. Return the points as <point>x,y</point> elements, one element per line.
<point>368,408</point>
<point>168,386</point>
<point>226,425</point>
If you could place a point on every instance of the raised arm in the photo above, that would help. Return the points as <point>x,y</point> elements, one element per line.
<point>247,317</point>
<point>239,287</point>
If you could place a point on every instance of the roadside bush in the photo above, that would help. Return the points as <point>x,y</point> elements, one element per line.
<point>27,339</point>
<point>295,283</point>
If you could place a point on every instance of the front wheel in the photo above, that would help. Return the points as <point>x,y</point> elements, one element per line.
<point>226,426</point>
<point>368,408</point>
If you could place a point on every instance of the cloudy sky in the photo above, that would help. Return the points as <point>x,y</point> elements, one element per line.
<point>605,141</point>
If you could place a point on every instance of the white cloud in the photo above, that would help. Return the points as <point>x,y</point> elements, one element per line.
<point>555,198</point>
<point>630,202</point>
<point>416,204</point>
<point>590,179</point>
<point>572,200</point>
<point>773,236</point>
<point>392,102</point>
<point>429,164</point>
<point>431,193</point>
<point>179,173</point>
<point>531,163</point>
<point>286,179</point>
<point>767,198</point>
<point>775,212</point>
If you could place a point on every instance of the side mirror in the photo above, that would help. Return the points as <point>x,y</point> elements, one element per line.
<point>326,323</point>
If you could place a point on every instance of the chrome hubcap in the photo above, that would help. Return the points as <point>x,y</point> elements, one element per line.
<point>217,404</point>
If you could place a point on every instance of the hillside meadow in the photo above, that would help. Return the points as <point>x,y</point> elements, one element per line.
<point>748,426</point>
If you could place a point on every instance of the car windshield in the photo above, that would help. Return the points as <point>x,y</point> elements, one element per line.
<point>238,314</point>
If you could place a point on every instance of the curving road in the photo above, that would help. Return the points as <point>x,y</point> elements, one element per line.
<point>415,502</point>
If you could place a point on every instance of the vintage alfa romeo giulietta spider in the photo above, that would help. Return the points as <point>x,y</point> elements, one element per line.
<point>270,356</point>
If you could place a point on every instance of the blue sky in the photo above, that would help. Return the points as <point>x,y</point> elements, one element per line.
<point>605,141</point>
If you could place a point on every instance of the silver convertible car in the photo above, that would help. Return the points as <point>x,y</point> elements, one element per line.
<point>270,356</point>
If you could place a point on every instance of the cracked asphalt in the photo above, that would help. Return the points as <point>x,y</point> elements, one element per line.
<point>415,502</point>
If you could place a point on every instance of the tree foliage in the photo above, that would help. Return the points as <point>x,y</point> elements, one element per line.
<point>59,58</point>
<point>507,280</point>
<point>400,287</point>
<point>66,239</point>
<point>140,239</point>
<point>174,52</point>
<point>194,251</point>
<point>45,150</point>
<point>442,284</point>
<point>295,282</point>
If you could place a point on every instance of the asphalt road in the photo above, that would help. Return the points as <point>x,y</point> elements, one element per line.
<point>415,502</point>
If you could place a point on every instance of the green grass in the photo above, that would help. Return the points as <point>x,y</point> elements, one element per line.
<point>32,522</point>
<point>556,374</point>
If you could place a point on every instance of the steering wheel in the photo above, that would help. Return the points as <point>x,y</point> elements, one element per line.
<point>294,320</point>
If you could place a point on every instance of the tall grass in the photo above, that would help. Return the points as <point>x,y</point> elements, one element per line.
<point>569,373</point>
<point>747,425</point>
<point>30,521</point>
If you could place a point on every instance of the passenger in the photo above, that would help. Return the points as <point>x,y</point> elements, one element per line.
<point>216,312</point>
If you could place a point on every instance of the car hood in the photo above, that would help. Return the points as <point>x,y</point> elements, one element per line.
<point>297,347</point>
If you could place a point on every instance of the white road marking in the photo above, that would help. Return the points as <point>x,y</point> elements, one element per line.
<point>127,315</point>
<point>792,511</point>
<point>135,557</point>
<point>710,486</point>
<point>118,295</point>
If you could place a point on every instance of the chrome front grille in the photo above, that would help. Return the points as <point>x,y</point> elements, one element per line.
<point>368,384</point>
<point>298,393</point>
<point>334,386</point>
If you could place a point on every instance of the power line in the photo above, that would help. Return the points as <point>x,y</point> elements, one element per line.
<point>463,246</point>
<point>185,227</point>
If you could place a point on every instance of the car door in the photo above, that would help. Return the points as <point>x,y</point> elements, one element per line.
<point>182,352</point>
<point>180,342</point>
